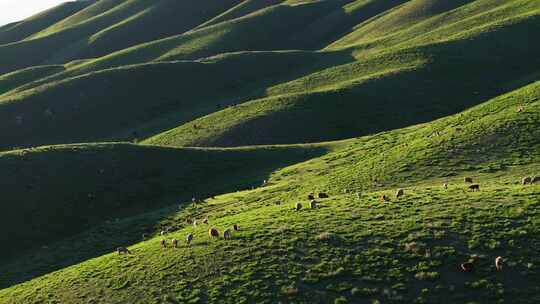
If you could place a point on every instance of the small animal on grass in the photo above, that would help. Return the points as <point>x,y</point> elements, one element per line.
<point>213,233</point>
<point>475,187</point>
<point>236,227</point>
<point>313,204</point>
<point>205,221</point>
<point>298,206</point>
<point>526,180</point>
<point>468,179</point>
<point>163,232</point>
<point>227,233</point>
<point>174,243</point>
<point>189,238</point>
<point>310,196</point>
<point>163,243</point>
<point>400,193</point>
<point>467,267</point>
<point>499,263</point>
<point>323,195</point>
<point>384,198</point>
<point>122,250</point>
<point>445,185</point>
<point>535,179</point>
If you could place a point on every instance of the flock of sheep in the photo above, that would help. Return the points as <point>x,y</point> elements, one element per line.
<point>213,232</point>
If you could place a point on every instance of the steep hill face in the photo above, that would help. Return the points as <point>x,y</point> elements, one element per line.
<point>114,114</point>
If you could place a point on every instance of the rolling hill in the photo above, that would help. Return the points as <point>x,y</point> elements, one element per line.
<point>114,114</point>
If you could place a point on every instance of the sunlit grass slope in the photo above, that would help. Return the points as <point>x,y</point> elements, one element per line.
<point>351,249</point>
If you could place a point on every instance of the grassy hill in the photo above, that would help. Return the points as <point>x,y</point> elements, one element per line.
<point>98,35</point>
<point>427,83</point>
<point>24,29</point>
<point>115,113</point>
<point>62,190</point>
<point>351,249</point>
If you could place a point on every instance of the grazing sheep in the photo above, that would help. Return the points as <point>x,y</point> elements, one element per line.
<point>205,221</point>
<point>519,109</point>
<point>163,232</point>
<point>298,206</point>
<point>313,204</point>
<point>526,180</point>
<point>227,234</point>
<point>400,193</point>
<point>499,263</point>
<point>122,250</point>
<point>445,185</point>
<point>384,198</point>
<point>535,179</point>
<point>236,227</point>
<point>310,197</point>
<point>194,200</point>
<point>189,238</point>
<point>213,233</point>
<point>467,266</point>
<point>323,195</point>
<point>468,179</point>
<point>174,243</point>
<point>163,243</point>
<point>475,187</point>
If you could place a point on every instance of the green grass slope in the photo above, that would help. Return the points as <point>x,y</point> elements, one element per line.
<point>382,92</point>
<point>243,8</point>
<point>330,20</point>
<point>36,23</point>
<point>107,31</point>
<point>422,27</point>
<point>93,11</point>
<point>351,249</point>
<point>428,84</point>
<point>58,191</point>
<point>18,78</point>
<point>67,111</point>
